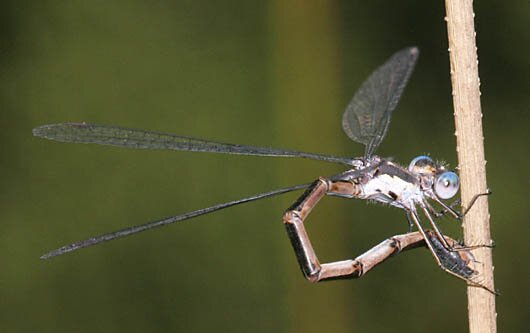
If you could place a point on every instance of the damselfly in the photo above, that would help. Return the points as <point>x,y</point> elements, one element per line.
<point>365,120</point>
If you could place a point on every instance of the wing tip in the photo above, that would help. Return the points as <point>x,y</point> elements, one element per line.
<point>51,130</point>
<point>414,50</point>
<point>60,251</point>
<point>41,131</point>
<point>49,255</point>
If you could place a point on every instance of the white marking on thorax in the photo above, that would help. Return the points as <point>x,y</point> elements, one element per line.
<point>385,188</point>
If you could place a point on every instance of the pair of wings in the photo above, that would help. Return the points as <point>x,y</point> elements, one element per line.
<point>365,120</point>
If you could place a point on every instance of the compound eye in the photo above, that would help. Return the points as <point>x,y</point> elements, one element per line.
<point>422,164</point>
<point>446,185</point>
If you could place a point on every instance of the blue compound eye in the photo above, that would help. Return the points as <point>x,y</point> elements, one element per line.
<point>446,185</point>
<point>423,165</point>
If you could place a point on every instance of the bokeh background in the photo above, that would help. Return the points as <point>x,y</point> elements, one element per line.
<point>277,74</point>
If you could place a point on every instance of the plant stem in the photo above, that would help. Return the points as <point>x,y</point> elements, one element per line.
<point>470,149</point>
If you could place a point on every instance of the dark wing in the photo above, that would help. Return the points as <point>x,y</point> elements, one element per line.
<point>173,219</point>
<point>140,139</point>
<point>367,117</point>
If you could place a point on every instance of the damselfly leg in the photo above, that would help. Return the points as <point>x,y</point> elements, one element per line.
<point>456,214</point>
<point>460,262</point>
<point>450,256</point>
<point>428,210</point>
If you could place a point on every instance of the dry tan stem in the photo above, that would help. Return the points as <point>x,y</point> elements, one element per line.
<point>470,149</point>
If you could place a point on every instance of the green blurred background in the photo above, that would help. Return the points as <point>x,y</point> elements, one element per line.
<point>264,73</point>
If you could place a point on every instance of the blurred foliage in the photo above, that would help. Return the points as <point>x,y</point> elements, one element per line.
<point>262,73</point>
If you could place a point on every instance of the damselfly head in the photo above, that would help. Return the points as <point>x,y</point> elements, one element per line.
<point>434,176</point>
<point>423,165</point>
<point>446,184</point>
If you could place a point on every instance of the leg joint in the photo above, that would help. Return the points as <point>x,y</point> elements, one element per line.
<point>324,181</point>
<point>313,277</point>
<point>396,244</point>
<point>291,216</point>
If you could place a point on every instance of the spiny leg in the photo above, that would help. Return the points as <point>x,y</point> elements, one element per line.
<point>429,209</point>
<point>449,261</point>
<point>472,202</point>
<point>414,217</point>
<point>411,224</point>
<point>449,208</point>
<point>431,245</point>
<point>438,214</point>
<point>435,227</point>
<point>442,239</point>
<point>458,262</point>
